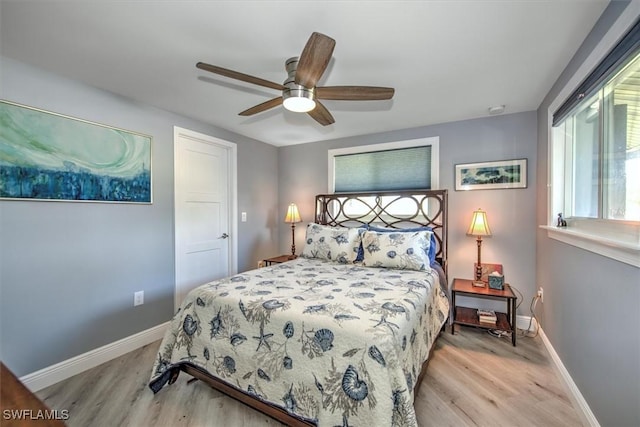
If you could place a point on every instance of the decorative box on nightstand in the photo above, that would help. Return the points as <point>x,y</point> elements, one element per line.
<point>496,281</point>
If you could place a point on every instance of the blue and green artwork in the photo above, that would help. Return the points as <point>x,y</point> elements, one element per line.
<point>48,156</point>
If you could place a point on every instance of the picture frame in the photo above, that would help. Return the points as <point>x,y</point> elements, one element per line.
<point>46,156</point>
<point>491,175</point>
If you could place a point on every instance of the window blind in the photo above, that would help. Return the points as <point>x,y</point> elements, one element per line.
<point>399,169</point>
<point>619,56</point>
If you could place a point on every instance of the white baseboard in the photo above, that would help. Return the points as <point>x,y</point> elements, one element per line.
<point>530,324</point>
<point>67,368</point>
<point>526,323</point>
<point>578,399</point>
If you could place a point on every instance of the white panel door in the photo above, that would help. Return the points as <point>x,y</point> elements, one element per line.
<point>203,201</point>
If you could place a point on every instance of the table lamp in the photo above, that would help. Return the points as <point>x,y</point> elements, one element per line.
<point>479,227</point>
<point>292,217</point>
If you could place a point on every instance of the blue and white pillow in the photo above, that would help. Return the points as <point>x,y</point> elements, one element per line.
<point>432,242</point>
<point>339,244</point>
<point>402,250</point>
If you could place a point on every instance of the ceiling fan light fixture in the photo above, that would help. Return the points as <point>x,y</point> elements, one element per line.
<point>298,98</point>
<point>295,97</point>
<point>299,104</point>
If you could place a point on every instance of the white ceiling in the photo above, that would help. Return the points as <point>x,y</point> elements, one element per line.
<point>447,60</point>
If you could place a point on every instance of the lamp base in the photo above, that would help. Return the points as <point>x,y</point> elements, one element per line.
<point>290,257</point>
<point>479,284</point>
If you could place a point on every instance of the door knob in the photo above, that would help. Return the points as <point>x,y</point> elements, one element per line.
<point>224,236</point>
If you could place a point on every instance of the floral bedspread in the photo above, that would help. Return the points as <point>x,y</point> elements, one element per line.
<point>331,343</point>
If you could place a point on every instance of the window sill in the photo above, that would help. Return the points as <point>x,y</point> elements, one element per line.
<point>626,252</point>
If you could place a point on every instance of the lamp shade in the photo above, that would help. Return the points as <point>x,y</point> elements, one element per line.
<point>293,215</point>
<point>479,225</point>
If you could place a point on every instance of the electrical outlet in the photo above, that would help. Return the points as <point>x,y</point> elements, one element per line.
<point>243,217</point>
<point>541,294</point>
<point>138,298</point>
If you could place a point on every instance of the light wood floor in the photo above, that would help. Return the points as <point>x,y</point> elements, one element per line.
<point>473,379</point>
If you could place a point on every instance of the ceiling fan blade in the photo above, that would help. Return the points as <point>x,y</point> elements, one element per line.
<point>321,115</point>
<point>354,93</point>
<point>262,107</point>
<point>314,59</point>
<point>239,76</point>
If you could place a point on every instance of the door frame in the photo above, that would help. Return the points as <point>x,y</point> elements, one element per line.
<point>232,191</point>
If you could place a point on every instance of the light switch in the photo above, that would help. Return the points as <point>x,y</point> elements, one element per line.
<point>244,217</point>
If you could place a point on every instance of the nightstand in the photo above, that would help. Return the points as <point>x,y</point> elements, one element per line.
<point>277,260</point>
<point>469,316</point>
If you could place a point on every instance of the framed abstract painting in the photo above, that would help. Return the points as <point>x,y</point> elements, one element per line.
<point>50,156</point>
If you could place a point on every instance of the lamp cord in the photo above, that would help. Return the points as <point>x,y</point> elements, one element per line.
<point>525,332</point>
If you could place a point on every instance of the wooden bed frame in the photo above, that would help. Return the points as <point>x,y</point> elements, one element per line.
<point>333,209</point>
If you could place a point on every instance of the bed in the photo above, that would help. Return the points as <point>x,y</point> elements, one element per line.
<point>339,336</point>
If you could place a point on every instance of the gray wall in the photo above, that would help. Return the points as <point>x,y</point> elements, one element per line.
<point>68,271</point>
<point>511,213</point>
<point>590,313</point>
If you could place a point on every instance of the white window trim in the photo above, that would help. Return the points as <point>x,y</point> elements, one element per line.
<point>433,141</point>
<point>619,240</point>
<point>627,253</point>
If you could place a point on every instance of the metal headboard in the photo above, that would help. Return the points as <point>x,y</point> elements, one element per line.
<point>427,207</point>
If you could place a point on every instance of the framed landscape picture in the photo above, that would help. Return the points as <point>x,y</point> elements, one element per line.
<point>491,175</point>
<point>49,156</point>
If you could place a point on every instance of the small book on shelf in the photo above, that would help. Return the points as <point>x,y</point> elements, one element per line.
<point>487,316</point>
<point>486,313</point>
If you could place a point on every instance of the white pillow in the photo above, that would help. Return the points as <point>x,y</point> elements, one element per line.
<point>339,244</point>
<point>400,250</point>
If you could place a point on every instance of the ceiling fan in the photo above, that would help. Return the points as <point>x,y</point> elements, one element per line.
<point>299,90</point>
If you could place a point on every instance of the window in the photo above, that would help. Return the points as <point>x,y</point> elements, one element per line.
<point>402,165</point>
<point>602,150</point>
<point>595,156</point>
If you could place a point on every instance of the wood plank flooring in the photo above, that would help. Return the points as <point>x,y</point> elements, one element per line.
<point>473,379</point>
